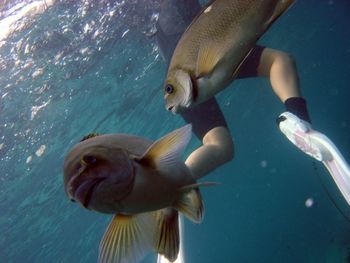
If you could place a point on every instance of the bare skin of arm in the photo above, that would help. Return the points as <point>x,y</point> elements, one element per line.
<point>218,148</point>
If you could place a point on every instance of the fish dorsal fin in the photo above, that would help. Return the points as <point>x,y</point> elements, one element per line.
<point>191,205</point>
<point>128,238</point>
<point>167,242</point>
<point>167,150</point>
<point>209,56</point>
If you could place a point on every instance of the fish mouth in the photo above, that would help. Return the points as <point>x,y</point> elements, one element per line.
<point>175,109</point>
<point>83,192</point>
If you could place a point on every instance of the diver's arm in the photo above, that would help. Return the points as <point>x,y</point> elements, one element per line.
<point>216,150</point>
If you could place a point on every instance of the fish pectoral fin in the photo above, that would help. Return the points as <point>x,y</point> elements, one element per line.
<point>191,205</point>
<point>167,240</point>
<point>167,150</point>
<point>128,238</point>
<point>209,56</point>
<point>236,71</point>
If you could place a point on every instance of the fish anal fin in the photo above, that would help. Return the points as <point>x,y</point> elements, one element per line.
<point>128,238</point>
<point>191,205</point>
<point>167,150</point>
<point>208,57</point>
<point>167,241</point>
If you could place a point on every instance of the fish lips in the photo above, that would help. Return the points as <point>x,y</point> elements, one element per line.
<point>83,190</point>
<point>176,109</point>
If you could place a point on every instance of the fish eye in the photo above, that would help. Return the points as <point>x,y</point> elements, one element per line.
<point>88,160</point>
<point>169,88</point>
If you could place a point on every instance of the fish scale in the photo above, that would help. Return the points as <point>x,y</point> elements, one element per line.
<point>220,30</point>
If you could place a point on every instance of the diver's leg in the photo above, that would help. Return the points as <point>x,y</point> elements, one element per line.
<point>210,127</point>
<point>295,122</point>
<point>281,70</point>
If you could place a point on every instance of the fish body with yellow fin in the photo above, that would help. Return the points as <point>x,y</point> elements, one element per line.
<point>143,183</point>
<point>211,50</point>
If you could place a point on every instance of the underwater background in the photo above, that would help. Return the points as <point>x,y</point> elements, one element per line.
<point>83,66</point>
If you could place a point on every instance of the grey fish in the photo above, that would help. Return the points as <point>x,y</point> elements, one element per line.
<point>143,183</point>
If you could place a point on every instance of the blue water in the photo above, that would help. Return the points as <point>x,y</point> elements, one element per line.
<point>61,79</point>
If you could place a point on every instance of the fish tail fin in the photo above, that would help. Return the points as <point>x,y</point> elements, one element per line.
<point>167,240</point>
<point>128,238</point>
<point>191,205</point>
<point>281,7</point>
